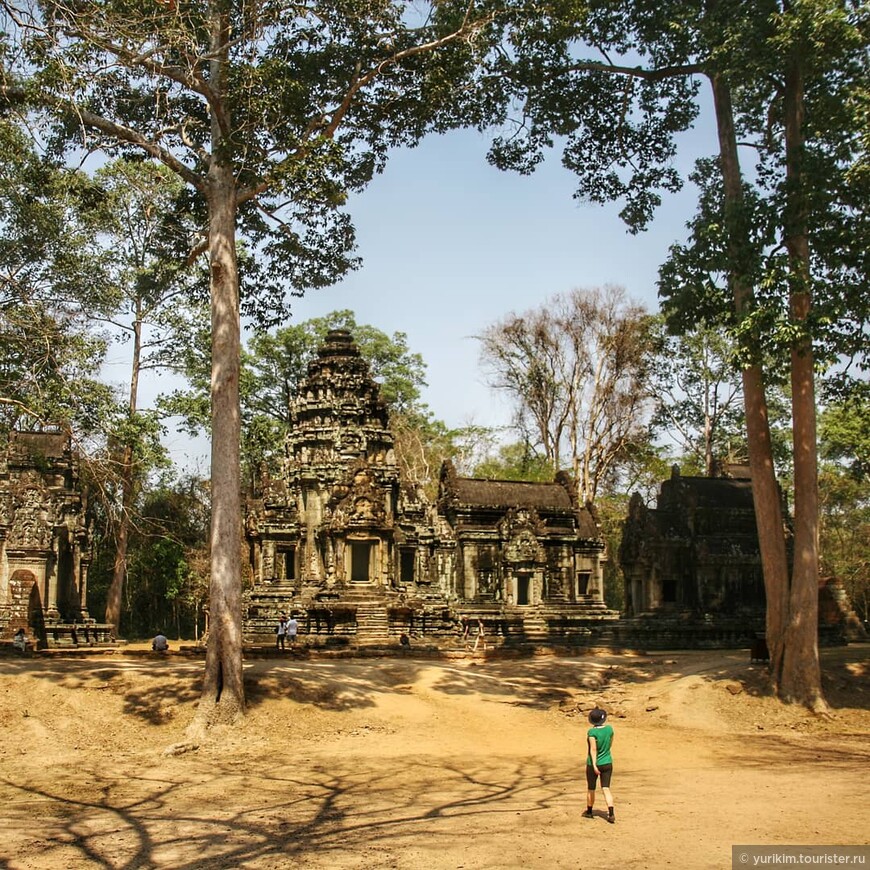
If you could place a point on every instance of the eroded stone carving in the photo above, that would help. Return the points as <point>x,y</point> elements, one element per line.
<point>44,542</point>
<point>355,536</point>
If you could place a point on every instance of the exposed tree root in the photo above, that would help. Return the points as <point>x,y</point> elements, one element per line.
<point>211,714</point>
<point>181,748</point>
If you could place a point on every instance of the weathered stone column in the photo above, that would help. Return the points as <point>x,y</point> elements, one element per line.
<point>4,568</point>
<point>267,561</point>
<point>329,558</point>
<point>81,566</point>
<point>596,580</point>
<point>257,559</point>
<point>469,575</point>
<point>51,575</point>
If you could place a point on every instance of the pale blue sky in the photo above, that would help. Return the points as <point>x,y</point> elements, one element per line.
<point>449,245</point>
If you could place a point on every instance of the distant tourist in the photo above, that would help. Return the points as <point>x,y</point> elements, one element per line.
<point>292,628</point>
<point>405,641</point>
<point>465,625</point>
<point>281,632</point>
<point>599,762</point>
<point>160,643</point>
<point>19,641</point>
<point>481,636</point>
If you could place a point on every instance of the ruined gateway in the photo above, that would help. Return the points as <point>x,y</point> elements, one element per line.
<point>697,550</point>
<point>341,541</point>
<point>44,543</point>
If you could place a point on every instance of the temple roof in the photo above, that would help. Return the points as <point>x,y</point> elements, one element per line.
<point>512,493</point>
<point>712,492</point>
<point>51,445</point>
<point>502,495</point>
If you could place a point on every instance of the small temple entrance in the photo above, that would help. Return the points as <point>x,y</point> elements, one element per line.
<point>524,582</point>
<point>360,561</point>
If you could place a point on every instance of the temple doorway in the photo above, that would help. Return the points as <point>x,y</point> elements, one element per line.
<point>523,586</point>
<point>360,561</point>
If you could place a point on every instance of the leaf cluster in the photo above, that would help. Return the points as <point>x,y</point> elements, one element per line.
<point>302,102</point>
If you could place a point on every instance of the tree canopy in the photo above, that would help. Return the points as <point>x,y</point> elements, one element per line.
<point>270,113</point>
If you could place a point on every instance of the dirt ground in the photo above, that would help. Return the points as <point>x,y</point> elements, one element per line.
<point>422,763</point>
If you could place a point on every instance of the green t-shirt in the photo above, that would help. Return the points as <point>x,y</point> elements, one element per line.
<point>603,735</point>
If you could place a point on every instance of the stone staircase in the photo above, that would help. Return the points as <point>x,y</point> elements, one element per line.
<point>372,622</point>
<point>534,628</point>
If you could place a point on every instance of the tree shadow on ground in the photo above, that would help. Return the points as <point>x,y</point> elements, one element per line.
<point>154,690</point>
<point>212,815</point>
<point>846,752</point>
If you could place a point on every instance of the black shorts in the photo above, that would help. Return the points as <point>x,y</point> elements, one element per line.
<point>592,776</point>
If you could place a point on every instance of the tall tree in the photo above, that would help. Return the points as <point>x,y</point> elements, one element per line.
<point>135,218</point>
<point>270,112</point>
<point>576,370</point>
<point>616,82</point>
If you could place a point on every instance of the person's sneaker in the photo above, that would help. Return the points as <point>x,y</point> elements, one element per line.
<point>588,814</point>
<point>611,818</point>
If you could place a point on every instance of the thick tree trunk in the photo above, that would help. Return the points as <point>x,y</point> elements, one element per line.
<point>223,692</point>
<point>765,490</point>
<point>799,674</point>
<point>223,696</point>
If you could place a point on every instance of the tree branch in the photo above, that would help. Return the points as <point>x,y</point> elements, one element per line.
<point>651,75</point>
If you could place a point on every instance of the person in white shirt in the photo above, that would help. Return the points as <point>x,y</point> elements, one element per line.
<point>292,628</point>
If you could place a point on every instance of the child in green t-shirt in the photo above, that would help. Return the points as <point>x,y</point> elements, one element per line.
<point>599,762</point>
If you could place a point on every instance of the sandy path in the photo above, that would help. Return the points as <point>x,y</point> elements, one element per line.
<point>420,764</point>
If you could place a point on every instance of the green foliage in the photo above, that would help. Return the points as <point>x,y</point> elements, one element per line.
<point>570,75</point>
<point>845,501</point>
<point>139,212</point>
<point>49,357</point>
<point>642,469</point>
<point>611,510</point>
<point>192,404</point>
<point>304,108</point>
<point>515,461</point>
<point>699,395</point>
<point>844,432</point>
<point>167,578</point>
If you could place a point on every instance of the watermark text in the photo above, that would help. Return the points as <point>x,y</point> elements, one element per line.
<point>800,856</point>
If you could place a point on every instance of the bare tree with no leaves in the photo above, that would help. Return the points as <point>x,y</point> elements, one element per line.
<point>576,372</point>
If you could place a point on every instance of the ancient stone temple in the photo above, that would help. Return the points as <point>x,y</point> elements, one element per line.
<point>692,565</point>
<point>44,543</point>
<point>341,541</point>
<point>696,551</point>
<point>521,543</point>
<point>692,568</point>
